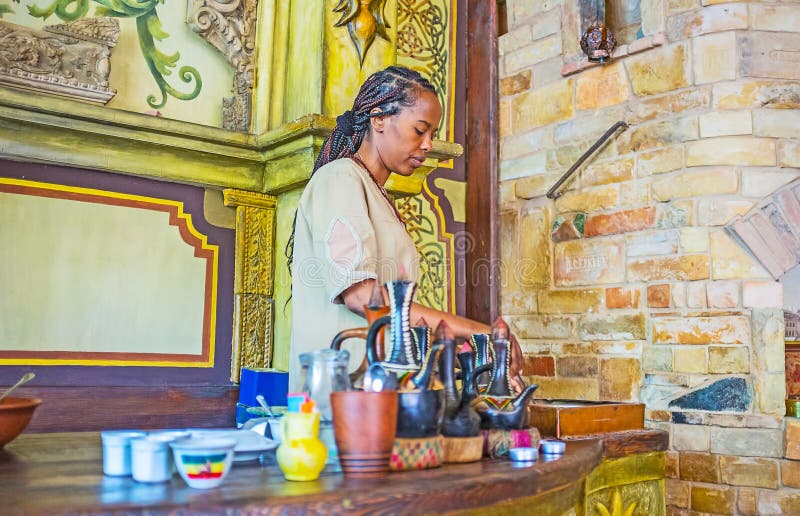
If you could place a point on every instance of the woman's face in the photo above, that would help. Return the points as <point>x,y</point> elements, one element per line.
<point>404,140</point>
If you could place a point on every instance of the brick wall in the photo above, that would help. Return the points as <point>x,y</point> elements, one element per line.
<point>629,287</point>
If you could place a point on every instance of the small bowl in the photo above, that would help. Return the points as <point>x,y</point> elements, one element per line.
<point>15,414</point>
<point>203,462</point>
<point>523,454</point>
<point>553,447</point>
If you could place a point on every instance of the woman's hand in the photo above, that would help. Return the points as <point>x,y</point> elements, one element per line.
<point>515,369</point>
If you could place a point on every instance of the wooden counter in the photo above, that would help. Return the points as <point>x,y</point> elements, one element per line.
<point>62,473</point>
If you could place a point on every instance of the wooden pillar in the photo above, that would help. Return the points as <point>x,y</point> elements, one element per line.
<point>253,279</point>
<point>481,161</point>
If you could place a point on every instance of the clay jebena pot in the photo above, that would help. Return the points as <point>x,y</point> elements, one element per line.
<point>420,413</point>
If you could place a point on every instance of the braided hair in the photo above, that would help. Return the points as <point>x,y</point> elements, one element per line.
<point>389,90</point>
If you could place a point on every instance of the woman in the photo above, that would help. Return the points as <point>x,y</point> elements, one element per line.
<point>347,234</point>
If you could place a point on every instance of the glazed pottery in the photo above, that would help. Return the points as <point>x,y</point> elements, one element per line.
<point>302,455</point>
<point>505,413</point>
<point>203,463</point>
<point>15,413</point>
<point>462,420</point>
<point>403,355</point>
<point>422,338</point>
<point>364,425</point>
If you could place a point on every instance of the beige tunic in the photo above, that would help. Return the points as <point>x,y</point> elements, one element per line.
<point>346,232</point>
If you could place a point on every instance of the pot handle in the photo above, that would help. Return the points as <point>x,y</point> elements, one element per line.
<point>372,334</point>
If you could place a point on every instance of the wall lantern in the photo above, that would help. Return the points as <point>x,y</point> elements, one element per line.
<point>597,41</point>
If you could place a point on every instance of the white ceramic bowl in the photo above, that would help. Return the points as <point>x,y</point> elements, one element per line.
<point>203,462</point>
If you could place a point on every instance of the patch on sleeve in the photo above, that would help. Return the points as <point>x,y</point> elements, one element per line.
<point>342,244</point>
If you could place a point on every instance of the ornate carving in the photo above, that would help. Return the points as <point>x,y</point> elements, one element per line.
<point>230,25</point>
<point>640,498</point>
<point>67,59</point>
<point>364,20</point>
<point>253,279</point>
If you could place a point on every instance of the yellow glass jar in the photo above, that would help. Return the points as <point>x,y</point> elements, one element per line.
<point>302,455</point>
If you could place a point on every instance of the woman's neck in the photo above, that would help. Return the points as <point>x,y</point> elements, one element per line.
<point>369,155</point>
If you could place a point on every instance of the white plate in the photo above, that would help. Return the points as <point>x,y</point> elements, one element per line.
<point>249,445</point>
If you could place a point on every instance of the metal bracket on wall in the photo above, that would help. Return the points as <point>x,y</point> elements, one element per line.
<point>553,192</point>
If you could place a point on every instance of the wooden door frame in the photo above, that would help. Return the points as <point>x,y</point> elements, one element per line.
<point>482,253</point>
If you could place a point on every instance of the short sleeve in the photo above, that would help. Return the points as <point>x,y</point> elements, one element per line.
<point>342,233</point>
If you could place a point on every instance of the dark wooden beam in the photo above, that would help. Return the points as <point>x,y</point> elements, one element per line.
<point>482,255</point>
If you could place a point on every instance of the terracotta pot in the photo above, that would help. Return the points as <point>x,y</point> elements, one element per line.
<point>15,413</point>
<point>364,425</point>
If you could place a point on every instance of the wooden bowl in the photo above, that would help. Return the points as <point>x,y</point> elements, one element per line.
<point>15,413</point>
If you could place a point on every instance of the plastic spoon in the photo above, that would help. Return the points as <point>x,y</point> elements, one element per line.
<point>261,401</point>
<point>27,377</point>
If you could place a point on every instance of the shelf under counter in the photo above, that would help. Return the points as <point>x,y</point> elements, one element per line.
<point>62,473</point>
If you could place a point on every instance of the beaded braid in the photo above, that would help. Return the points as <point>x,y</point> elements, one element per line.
<point>389,90</point>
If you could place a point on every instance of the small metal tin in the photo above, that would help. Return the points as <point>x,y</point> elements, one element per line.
<point>553,447</point>
<point>523,454</point>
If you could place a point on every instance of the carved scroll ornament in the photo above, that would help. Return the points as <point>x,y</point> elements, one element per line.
<point>70,60</point>
<point>364,20</point>
<point>230,25</point>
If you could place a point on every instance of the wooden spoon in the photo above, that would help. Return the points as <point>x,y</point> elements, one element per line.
<point>27,377</point>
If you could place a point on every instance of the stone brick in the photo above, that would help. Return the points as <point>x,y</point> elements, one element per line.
<point>729,329</point>
<point>760,182</point>
<point>534,186</point>
<point>768,342</point>
<point>509,251</point>
<point>770,391</point>
<point>620,379</point>
<point>652,243</point>
<point>690,360</point>
<point>776,123</point>
<point>670,104</point>
<point>517,303</point>
<point>679,295</point>
<point>539,366</point>
<point>620,222</point>
<point>658,296</point>
<point>715,500</point>
<point>568,388</point>
<point>769,54</point>
<point>715,57</point>
<point>746,501</point>
<point>778,502</point>
<point>774,18</point>
<point>746,442</point>
<point>722,360</point>
<point>566,155</point>
<point>612,327</point>
<point>696,295</point>
<point>577,366</point>
<point>722,294</point>
<point>718,212</point>
<point>744,420</point>
<point>621,297</point>
<point>725,123</point>
<point>534,53</point>
<point>746,471</point>
<point>540,326</point>
<point>531,164</point>
<point>542,106</point>
<point>657,358</point>
<point>660,134</point>
<point>602,86</point>
<point>729,261</point>
<point>516,83</point>
<point>679,6</point>
<point>684,268</point>
<point>709,19</point>
<point>587,126</point>
<point>693,183</point>
<point>677,493</point>
<point>514,39</point>
<point>757,94</point>
<point>694,239</point>
<point>534,347</point>
<point>699,467</point>
<point>790,473</point>
<point>659,70</point>
<point>731,150</point>
<point>546,24</point>
<point>659,161</point>
<point>589,262</point>
<point>522,10</point>
<point>504,118</point>
<point>588,200</point>
<point>607,172</point>
<point>663,416</point>
<point>793,438</point>
<point>633,348</point>
<point>547,72</point>
<point>762,294</point>
<point>690,438</point>
<point>532,268</point>
<point>789,153</point>
<point>675,214</point>
<point>634,193</point>
<point>525,143</point>
<point>570,301</point>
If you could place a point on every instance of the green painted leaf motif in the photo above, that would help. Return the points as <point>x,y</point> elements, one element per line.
<point>5,9</point>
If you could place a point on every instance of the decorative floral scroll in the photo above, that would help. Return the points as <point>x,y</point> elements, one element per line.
<point>364,19</point>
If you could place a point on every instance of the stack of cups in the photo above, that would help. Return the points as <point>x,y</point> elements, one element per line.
<point>364,426</point>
